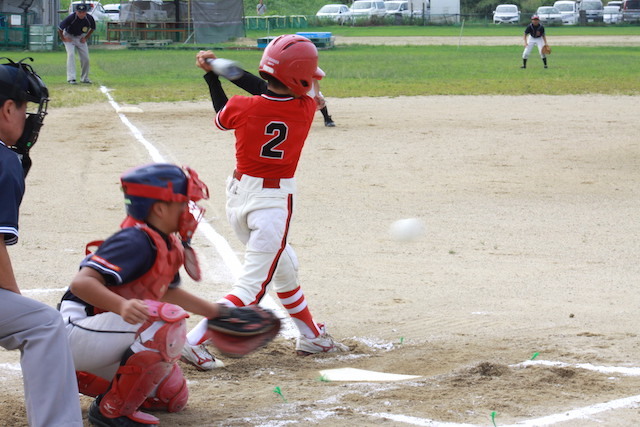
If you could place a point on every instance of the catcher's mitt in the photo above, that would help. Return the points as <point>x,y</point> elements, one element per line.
<point>237,332</point>
<point>546,49</point>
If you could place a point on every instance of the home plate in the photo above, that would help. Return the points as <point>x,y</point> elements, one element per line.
<point>352,374</point>
<point>129,110</point>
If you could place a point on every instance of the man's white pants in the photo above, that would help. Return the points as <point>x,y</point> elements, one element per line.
<point>76,43</point>
<point>539,41</point>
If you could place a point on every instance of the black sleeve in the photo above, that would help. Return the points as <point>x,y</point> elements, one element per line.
<point>252,84</point>
<point>218,97</point>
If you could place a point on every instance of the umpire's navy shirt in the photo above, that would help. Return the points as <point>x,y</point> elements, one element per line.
<point>534,31</point>
<point>76,26</point>
<point>11,192</point>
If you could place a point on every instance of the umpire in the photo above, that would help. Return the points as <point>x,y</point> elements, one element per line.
<point>27,325</point>
<point>74,31</point>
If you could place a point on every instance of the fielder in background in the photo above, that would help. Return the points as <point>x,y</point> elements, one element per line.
<point>534,35</point>
<point>125,311</point>
<point>270,130</point>
<point>50,389</point>
<point>74,31</point>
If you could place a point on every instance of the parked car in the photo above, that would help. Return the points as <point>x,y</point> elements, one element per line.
<point>549,15</point>
<point>339,13</point>
<point>94,8</point>
<point>611,15</point>
<point>616,3</point>
<point>506,14</point>
<point>569,10</point>
<point>397,8</point>
<point>368,8</point>
<point>593,10</point>
<point>113,10</point>
<point>631,11</point>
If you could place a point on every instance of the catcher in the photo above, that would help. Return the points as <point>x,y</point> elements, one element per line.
<point>125,311</point>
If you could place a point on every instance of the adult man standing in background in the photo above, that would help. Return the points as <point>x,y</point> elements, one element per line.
<point>74,32</point>
<point>261,8</point>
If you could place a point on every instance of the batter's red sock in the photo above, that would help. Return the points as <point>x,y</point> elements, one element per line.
<point>296,306</point>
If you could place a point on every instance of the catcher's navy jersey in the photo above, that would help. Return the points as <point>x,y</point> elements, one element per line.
<point>122,258</point>
<point>11,193</point>
<point>270,132</point>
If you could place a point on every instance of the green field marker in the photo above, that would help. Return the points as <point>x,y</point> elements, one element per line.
<point>279,393</point>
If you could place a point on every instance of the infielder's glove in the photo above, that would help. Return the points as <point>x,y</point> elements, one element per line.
<point>237,332</point>
<point>546,49</point>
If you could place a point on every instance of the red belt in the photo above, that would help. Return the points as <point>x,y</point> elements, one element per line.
<point>266,182</point>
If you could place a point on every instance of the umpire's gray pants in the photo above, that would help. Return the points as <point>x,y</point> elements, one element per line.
<point>50,385</point>
<point>77,43</point>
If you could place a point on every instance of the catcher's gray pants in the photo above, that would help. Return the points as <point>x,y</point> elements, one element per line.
<point>537,41</point>
<point>48,374</point>
<point>77,43</point>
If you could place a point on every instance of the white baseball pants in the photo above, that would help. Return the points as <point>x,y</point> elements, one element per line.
<point>260,217</point>
<point>533,41</point>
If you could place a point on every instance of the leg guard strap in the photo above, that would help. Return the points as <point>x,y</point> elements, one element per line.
<point>172,393</point>
<point>133,383</point>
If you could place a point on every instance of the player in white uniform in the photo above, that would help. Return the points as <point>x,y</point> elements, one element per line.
<point>34,328</point>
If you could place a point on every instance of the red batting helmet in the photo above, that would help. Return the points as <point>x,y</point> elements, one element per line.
<point>293,60</point>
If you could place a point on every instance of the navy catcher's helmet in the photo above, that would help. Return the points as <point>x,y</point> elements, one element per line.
<point>145,185</point>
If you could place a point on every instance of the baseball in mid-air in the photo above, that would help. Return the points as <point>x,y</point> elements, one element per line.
<point>408,229</point>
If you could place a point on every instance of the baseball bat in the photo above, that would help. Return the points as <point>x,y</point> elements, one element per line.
<point>226,68</point>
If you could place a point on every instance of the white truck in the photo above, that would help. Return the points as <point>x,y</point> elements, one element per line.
<point>570,11</point>
<point>444,11</point>
<point>419,8</point>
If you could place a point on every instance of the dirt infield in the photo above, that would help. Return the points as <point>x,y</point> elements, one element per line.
<point>530,252</point>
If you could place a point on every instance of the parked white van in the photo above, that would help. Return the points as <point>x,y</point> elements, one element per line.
<point>570,11</point>
<point>368,8</point>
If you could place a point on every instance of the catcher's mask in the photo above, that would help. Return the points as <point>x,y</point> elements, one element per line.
<point>20,83</point>
<point>145,185</point>
<point>293,60</point>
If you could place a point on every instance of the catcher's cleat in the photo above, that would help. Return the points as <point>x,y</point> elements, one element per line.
<point>323,343</point>
<point>97,419</point>
<point>199,356</point>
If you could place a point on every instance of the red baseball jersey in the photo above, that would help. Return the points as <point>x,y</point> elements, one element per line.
<point>270,132</point>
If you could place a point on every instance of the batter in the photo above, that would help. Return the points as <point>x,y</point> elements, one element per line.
<point>270,130</point>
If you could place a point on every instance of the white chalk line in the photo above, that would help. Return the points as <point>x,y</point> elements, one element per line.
<point>235,266</point>
<point>220,243</point>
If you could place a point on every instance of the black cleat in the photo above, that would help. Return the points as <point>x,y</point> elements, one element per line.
<point>97,419</point>
<point>329,123</point>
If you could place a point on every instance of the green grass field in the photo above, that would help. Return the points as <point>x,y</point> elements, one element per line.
<point>356,71</point>
<point>474,30</point>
